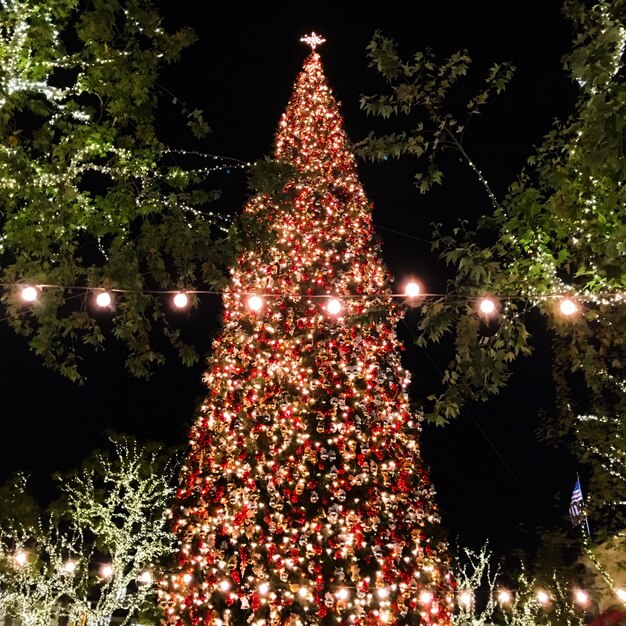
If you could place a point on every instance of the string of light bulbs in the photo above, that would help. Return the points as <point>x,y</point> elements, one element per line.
<point>412,294</point>
<point>465,597</point>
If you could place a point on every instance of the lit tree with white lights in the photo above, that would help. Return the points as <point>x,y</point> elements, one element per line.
<point>96,561</point>
<point>304,499</point>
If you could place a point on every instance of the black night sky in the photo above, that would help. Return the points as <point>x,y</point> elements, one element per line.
<point>493,479</point>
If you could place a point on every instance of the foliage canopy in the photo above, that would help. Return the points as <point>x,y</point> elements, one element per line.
<point>559,231</point>
<point>91,197</point>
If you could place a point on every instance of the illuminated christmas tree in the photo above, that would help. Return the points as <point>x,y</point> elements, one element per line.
<point>304,499</point>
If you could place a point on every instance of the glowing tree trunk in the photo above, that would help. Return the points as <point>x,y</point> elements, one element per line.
<point>304,499</point>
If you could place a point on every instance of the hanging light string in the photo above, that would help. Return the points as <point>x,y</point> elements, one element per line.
<point>412,295</point>
<point>465,597</point>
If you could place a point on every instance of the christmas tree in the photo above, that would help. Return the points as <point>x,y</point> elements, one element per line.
<point>304,499</point>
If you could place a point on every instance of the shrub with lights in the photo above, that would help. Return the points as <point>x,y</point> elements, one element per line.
<point>99,559</point>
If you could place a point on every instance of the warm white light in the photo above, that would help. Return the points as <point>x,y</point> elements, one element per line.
<point>303,592</point>
<point>426,597</point>
<point>187,578</point>
<point>621,594</point>
<point>145,577</point>
<point>333,306</point>
<point>568,306</point>
<point>412,289</point>
<point>264,588</point>
<point>383,593</point>
<point>69,567</point>
<point>255,303</point>
<point>487,306</point>
<point>103,299</point>
<point>343,594</point>
<point>181,300</point>
<point>542,597</point>
<point>581,597</point>
<point>504,596</point>
<point>465,598</point>
<point>224,585</point>
<point>106,571</point>
<point>29,294</point>
<point>20,557</point>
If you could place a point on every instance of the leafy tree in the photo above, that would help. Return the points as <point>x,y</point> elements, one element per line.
<point>16,504</point>
<point>90,197</point>
<point>559,231</point>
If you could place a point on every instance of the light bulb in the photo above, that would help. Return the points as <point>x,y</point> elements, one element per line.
<point>255,303</point>
<point>20,557</point>
<point>487,306</point>
<point>542,597</point>
<point>581,597</point>
<point>29,294</point>
<point>621,594</point>
<point>264,588</point>
<point>145,577</point>
<point>426,597</point>
<point>568,306</point>
<point>333,306</point>
<point>103,299</point>
<point>224,585</point>
<point>504,596</point>
<point>181,300</point>
<point>465,598</point>
<point>106,571</point>
<point>412,289</point>
<point>343,594</point>
<point>69,567</point>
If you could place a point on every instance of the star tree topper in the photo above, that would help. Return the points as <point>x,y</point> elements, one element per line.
<point>313,40</point>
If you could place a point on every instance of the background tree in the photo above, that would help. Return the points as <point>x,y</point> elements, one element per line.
<point>488,595</point>
<point>90,198</point>
<point>96,553</point>
<point>559,232</point>
<point>39,571</point>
